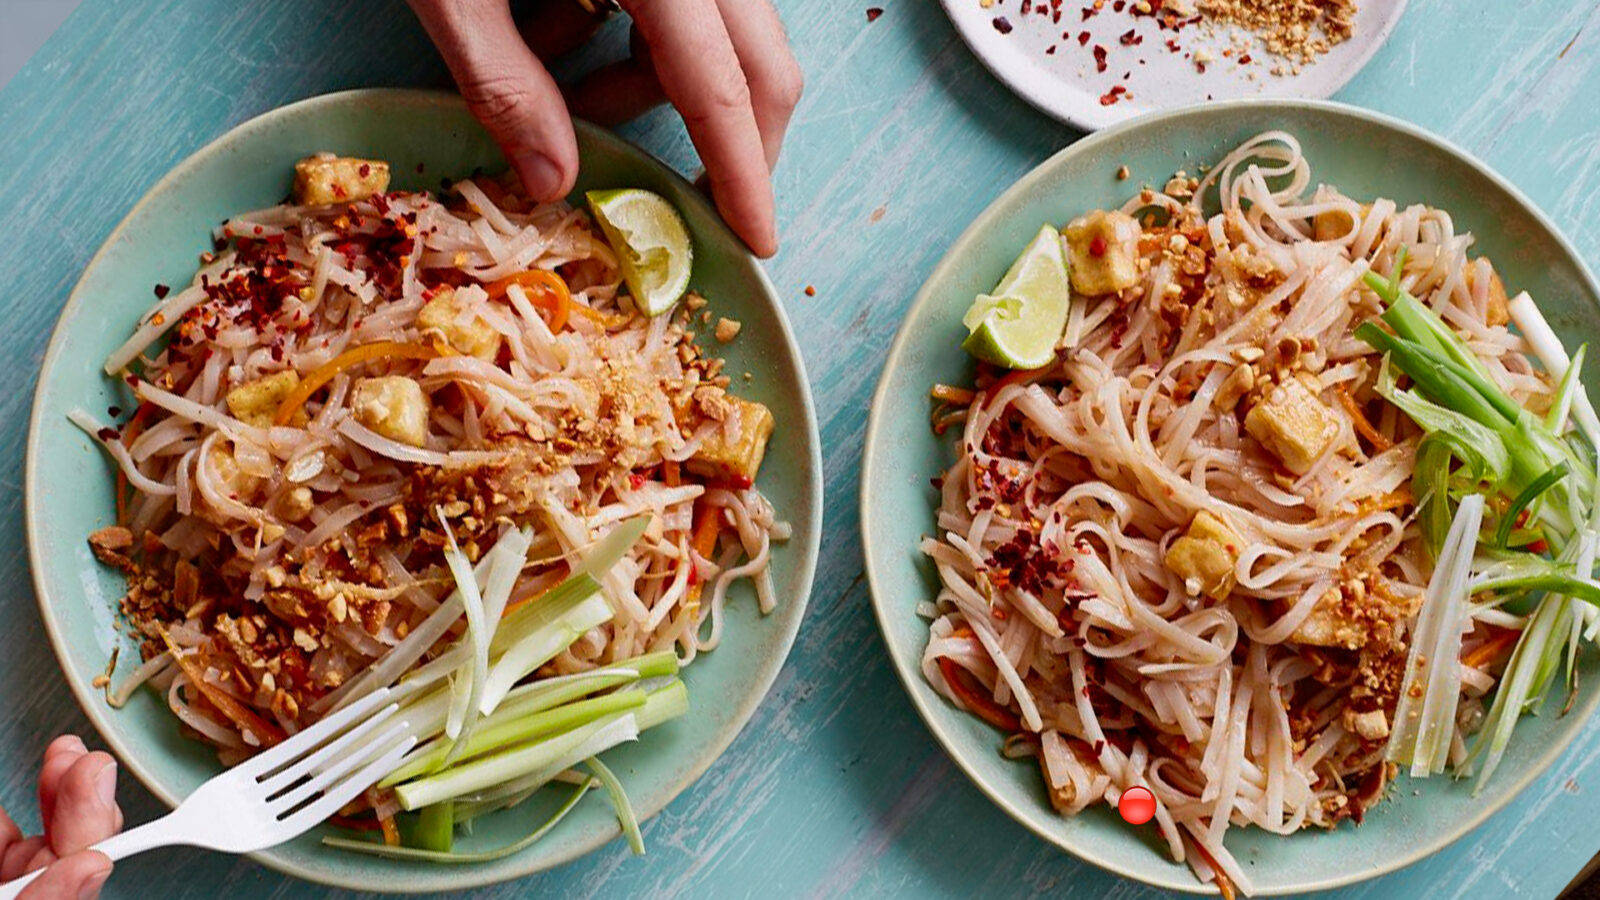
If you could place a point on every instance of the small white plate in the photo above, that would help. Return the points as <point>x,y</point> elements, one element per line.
<point>1068,83</point>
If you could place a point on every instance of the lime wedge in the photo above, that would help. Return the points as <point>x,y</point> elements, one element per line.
<point>1018,325</point>
<point>651,243</point>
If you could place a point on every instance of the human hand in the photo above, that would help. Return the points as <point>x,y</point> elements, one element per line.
<point>725,65</point>
<point>77,797</point>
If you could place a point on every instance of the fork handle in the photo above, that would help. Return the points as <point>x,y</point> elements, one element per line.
<point>159,833</point>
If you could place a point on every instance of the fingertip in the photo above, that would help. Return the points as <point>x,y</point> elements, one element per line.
<point>66,743</point>
<point>86,809</point>
<point>544,178</point>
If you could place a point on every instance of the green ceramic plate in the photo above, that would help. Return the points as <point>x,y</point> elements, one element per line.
<point>69,483</point>
<point>1365,155</point>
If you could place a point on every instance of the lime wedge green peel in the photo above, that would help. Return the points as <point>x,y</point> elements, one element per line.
<point>651,244</point>
<point>1017,326</point>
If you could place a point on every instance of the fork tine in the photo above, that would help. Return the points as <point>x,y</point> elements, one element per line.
<point>263,764</point>
<point>347,790</point>
<point>308,764</point>
<point>332,773</point>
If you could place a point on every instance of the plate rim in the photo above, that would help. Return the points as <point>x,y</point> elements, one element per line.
<point>808,543</point>
<point>1091,119</point>
<point>874,556</point>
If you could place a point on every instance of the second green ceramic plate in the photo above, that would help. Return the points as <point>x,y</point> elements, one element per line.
<point>1365,155</point>
<point>426,136</point>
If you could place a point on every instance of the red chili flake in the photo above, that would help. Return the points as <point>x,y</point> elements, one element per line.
<point>1002,24</point>
<point>1130,39</point>
<point>1050,50</point>
<point>1173,45</point>
<point>162,291</point>
<point>1083,38</point>
<point>873,13</point>
<point>1539,546</point>
<point>1099,58</point>
<point>114,411</point>
<point>1027,7</point>
<point>810,291</point>
<point>364,171</point>
<point>1118,6</point>
<point>636,480</point>
<point>258,229</point>
<point>1244,60</point>
<point>107,434</point>
<point>1097,246</point>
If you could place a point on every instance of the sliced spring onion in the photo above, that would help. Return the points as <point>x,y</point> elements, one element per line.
<point>609,550</point>
<point>1567,392</point>
<point>431,828</point>
<point>491,735</point>
<point>619,803</point>
<point>538,762</point>
<point>474,671</point>
<point>1543,483</point>
<point>1526,572</point>
<point>452,857</point>
<point>665,703</point>
<point>541,646</point>
<point>1421,736</point>
<point>1547,347</point>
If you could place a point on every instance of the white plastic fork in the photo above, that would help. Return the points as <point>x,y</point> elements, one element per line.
<point>277,795</point>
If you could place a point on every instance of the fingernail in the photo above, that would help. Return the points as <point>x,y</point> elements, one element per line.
<point>105,785</point>
<point>541,177</point>
<point>93,884</point>
<point>74,743</point>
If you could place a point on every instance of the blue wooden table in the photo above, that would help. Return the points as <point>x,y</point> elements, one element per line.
<point>835,787</point>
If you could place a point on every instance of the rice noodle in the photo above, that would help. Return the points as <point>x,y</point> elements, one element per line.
<point>340,377</point>
<point>1263,695</point>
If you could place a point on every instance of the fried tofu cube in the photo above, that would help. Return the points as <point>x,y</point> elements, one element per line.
<point>1498,311</point>
<point>447,316</point>
<point>736,457</point>
<point>1294,424</point>
<point>1205,556</point>
<point>393,406</point>
<point>1102,252</point>
<point>324,178</point>
<point>256,402</point>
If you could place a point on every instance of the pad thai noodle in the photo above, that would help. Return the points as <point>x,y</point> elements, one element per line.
<point>1294,449</point>
<point>360,379</point>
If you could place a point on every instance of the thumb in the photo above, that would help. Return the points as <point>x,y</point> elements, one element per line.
<point>507,89</point>
<point>78,876</point>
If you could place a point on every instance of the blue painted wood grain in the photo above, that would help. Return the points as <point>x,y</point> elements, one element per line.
<point>835,788</point>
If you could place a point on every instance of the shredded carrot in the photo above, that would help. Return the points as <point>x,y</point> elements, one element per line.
<point>553,298</point>
<point>391,831</point>
<point>670,473</point>
<point>1359,419</point>
<point>353,357</point>
<point>982,706</point>
<point>122,496</point>
<point>1224,883</point>
<point>950,394</point>
<point>707,526</point>
<point>1016,376</point>
<point>1491,649</point>
<point>241,715</point>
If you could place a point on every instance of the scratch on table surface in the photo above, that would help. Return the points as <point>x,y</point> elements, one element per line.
<point>927,781</point>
